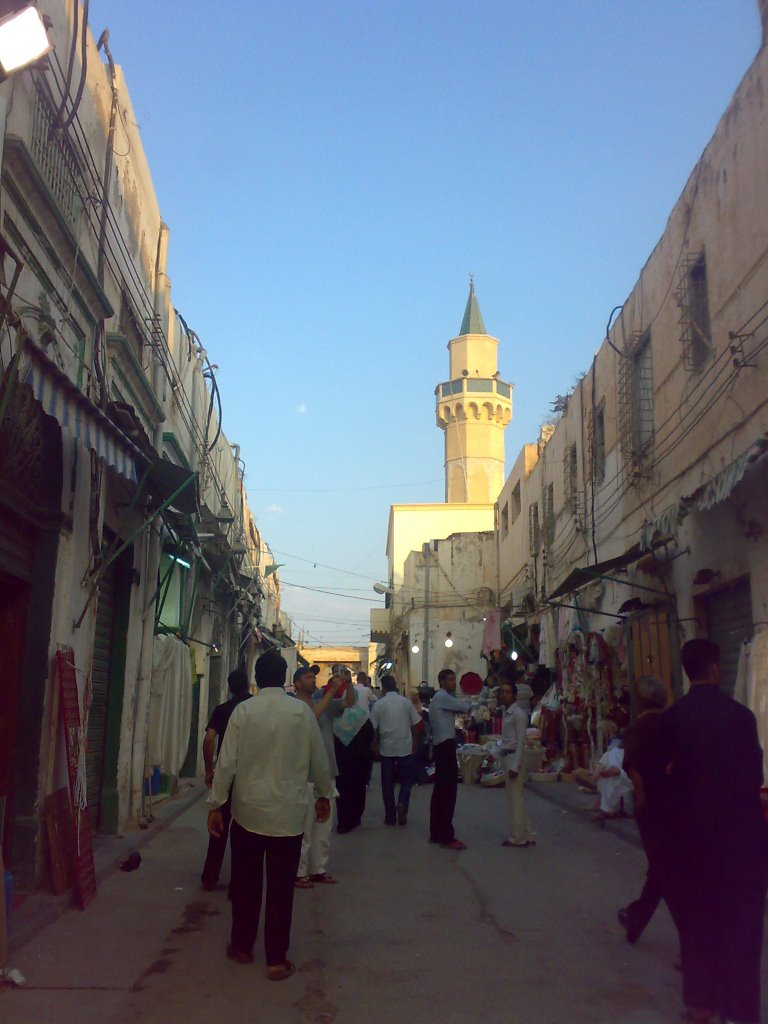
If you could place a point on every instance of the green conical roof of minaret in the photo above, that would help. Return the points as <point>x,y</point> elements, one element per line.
<point>473,318</point>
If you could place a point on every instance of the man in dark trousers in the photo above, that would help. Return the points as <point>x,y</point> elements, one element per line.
<point>272,749</point>
<point>443,709</point>
<point>214,737</point>
<point>721,838</point>
<point>645,763</point>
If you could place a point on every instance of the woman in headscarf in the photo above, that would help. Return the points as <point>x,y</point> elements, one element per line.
<point>353,739</point>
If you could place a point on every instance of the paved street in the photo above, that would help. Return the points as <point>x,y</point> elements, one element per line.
<point>412,933</point>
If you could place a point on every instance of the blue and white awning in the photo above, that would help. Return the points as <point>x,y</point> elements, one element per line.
<point>76,413</point>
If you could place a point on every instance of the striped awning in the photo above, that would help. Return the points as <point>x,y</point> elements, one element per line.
<point>76,413</point>
<point>705,497</point>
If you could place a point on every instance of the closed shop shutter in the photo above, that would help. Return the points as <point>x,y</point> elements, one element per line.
<point>100,680</point>
<point>729,623</point>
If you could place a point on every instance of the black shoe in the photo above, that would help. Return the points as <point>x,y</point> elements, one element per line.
<point>402,814</point>
<point>208,886</point>
<point>624,920</point>
<point>389,822</point>
<point>239,956</point>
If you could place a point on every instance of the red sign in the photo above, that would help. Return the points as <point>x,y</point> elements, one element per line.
<point>85,871</point>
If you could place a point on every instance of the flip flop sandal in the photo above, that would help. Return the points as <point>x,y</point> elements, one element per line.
<point>324,879</point>
<point>303,883</point>
<point>282,972</point>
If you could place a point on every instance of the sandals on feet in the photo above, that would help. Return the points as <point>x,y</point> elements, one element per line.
<point>282,971</point>
<point>324,879</point>
<point>303,882</point>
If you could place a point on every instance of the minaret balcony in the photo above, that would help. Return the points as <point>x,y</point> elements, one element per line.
<point>474,385</point>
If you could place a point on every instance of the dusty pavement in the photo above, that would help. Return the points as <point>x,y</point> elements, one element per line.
<point>412,933</point>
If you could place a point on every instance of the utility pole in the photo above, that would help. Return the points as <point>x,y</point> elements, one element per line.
<point>425,654</point>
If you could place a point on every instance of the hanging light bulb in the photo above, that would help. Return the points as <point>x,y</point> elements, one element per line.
<point>514,655</point>
<point>448,640</point>
<point>415,649</point>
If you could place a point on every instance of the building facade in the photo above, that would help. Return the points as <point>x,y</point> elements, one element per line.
<point>640,514</point>
<point>126,541</point>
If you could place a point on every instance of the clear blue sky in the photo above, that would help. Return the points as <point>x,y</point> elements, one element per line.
<point>331,174</point>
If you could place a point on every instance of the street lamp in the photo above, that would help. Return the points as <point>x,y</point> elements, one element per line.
<point>23,39</point>
<point>415,649</point>
<point>448,639</point>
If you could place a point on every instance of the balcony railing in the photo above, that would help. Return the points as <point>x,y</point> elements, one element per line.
<point>474,385</point>
<point>55,158</point>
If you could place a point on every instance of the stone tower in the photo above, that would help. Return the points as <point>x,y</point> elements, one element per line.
<point>473,408</point>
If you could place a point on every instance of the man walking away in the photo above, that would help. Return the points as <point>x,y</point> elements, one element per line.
<point>443,709</point>
<point>716,770</point>
<point>273,747</point>
<point>395,720</point>
<point>646,765</point>
<point>214,737</point>
<point>327,708</point>
<point>514,723</point>
<point>354,755</point>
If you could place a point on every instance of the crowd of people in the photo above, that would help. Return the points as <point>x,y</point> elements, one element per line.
<point>290,764</point>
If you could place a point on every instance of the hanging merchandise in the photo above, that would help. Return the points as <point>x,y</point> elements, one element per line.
<point>170,705</point>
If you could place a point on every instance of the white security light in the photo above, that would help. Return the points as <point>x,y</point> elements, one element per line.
<point>23,40</point>
<point>514,655</point>
<point>415,649</point>
<point>448,640</point>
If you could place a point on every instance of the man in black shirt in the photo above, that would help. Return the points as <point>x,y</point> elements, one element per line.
<point>214,737</point>
<point>721,842</point>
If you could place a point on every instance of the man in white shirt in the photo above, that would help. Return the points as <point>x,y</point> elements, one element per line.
<point>272,748</point>
<point>365,695</point>
<point>395,720</point>
<point>514,723</point>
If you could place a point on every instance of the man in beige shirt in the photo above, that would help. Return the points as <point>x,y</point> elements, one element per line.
<point>271,750</point>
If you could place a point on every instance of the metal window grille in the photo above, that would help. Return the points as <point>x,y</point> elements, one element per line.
<point>549,514</point>
<point>693,300</point>
<point>597,444</point>
<point>55,158</point>
<point>636,398</point>
<point>534,529</point>
<point>570,477</point>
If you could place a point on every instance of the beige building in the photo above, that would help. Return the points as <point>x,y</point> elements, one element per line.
<point>645,505</point>
<point>438,614</point>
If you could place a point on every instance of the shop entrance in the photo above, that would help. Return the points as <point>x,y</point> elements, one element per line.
<point>727,619</point>
<point>650,645</point>
<point>14,600</point>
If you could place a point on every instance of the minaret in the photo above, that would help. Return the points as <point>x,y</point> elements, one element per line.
<point>473,408</point>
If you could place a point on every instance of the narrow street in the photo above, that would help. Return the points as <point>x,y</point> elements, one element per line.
<point>412,932</point>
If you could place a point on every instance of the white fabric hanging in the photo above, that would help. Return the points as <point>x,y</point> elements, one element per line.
<point>170,705</point>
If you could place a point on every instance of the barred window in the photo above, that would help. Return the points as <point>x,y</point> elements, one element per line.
<point>636,398</point>
<point>55,156</point>
<point>534,529</point>
<point>597,442</point>
<point>571,477</point>
<point>505,520</point>
<point>693,300</point>
<point>549,515</point>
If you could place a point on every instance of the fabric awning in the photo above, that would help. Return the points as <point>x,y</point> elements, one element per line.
<point>705,497</point>
<point>77,414</point>
<point>589,573</point>
<point>177,485</point>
